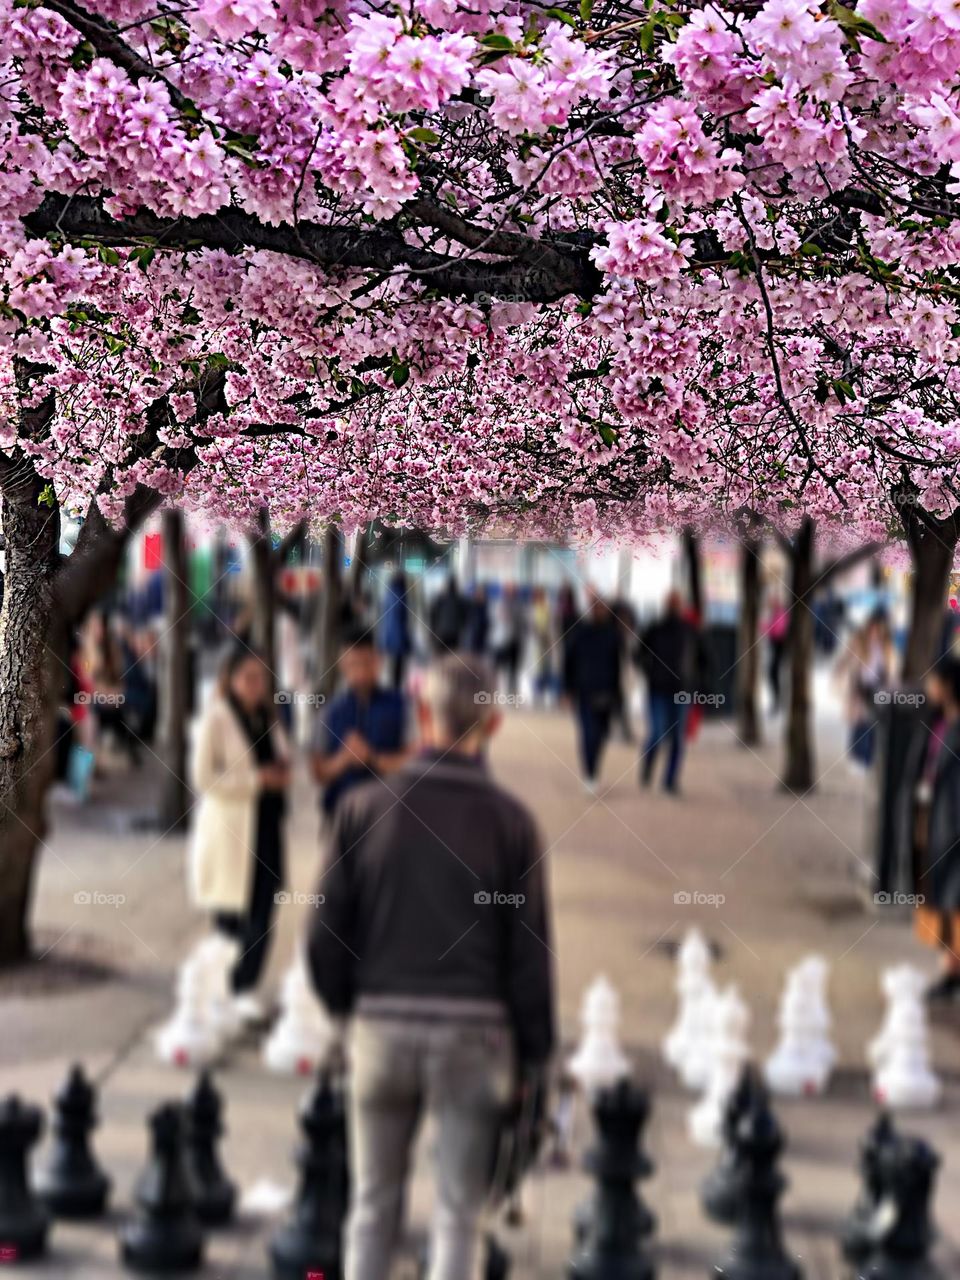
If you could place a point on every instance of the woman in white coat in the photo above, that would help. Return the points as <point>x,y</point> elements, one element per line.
<point>241,771</point>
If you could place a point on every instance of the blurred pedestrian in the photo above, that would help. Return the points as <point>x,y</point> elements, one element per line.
<point>395,637</point>
<point>626,620</point>
<point>241,771</point>
<point>776,631</point>
<point>434,937</point>
<point>867,666</point>
<point>507,633</point>
<point>671,658</point>
<point>593,654</point>
<point>543,633</point>
<point>362,733</point>
<point>448,616</point>
<point>938,916</point>
<point>477,629</point>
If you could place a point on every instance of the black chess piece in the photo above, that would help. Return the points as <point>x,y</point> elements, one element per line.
<point>24,1221</point>
<point>72,1184</point>
<point>855,1241</point>
<point>757,1251</point>
<point>721,1186</point>
<point>214,1195</point>
<point>311,1240</point>
<point>901,1232</point>
<point>611,1237</point>
<point>165,1237</point>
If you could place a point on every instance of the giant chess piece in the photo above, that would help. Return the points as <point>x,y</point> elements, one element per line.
<point>612,1241</point>
<point>304,1036</point>
<point>720,1189</point>
<point>904,1076</point>
<point>165,1238</point>
<point>72,1184</point>
<point>599,1061</point>
<point>24,1221</point>
<point>855,1238</point>
<point>311,1240</point>
<point>730,1051</point>
<point>214,1195</point>
<point>693,977</point>
<point>757,1252</point>
<point>804,1056</point>
<point>193,1035</point>
<point>901,1233</point>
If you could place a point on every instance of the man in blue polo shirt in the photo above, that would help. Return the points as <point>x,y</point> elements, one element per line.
<point>363,732</point>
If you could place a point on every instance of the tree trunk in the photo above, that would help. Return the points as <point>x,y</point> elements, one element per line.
<point>31,676</point>
<point>798,775</point>
<point>330,610</point>
<point>748,656</point>
<point>174,677</point>
<point>264,594</point>
<point>932,552</point>
<point>694,568</point>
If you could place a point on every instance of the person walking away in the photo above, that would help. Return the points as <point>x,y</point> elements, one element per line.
<point>937,919</point>
<point>477,629</point>
<point>363,731</point>
<point>448,616</point>
<point>544,646</point>
<point>592,682</point>
<point>776,631</point>
<point>434,939</point>
<point>867,665</point>
<point>506,635</point>
<point>670,658</point>
<point>241,771</point>
<point>395,638</point>
<point>626,620</point>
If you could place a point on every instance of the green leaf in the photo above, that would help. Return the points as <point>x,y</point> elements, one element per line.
<point>142,256</point>
<point>401,372</point>
<point>421,134</point>
<point>586,10</point>
<point>47,497</point>
<point>497,41</point>
<point>811,250</point>
<point>109,256</point>
<point>561,15</point>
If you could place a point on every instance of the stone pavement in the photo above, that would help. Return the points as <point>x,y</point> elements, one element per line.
<point>786,868</point>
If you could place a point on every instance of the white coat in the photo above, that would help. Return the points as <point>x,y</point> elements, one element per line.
<point>226,777</point>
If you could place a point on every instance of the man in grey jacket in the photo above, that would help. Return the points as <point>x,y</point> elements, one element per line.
<point>433,937</point>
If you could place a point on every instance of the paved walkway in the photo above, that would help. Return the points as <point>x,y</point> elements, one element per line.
<point>790,880</point>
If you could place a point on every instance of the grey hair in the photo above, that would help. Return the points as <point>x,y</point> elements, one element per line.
<point>460,691</point>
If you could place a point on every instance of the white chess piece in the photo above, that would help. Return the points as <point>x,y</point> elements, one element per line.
<point>899,981</point>
<point>304,1035</point>
<point>693,972</point>
<point>191,1037</point>
<point>695,1066</point>
<point>904,1077</point>
<point>804,1056</point>
<point>730,1052</point>
<point>220,955</point>
<point>599,1061</point>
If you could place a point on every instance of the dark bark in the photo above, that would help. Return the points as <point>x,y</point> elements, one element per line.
<point>932,550</point>
<point>174,676</point>
<point>331,606</point>
<point>694,567</point>
<point>264,620</point>
<point>798,772</point>
<point>748,646</point>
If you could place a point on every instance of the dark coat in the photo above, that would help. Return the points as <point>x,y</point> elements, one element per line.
<point>671,657</point>
<point>591,668</point>
<point>940,883</point>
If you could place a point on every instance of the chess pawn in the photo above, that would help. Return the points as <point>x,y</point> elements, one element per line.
<point>720,1189</point>
<point>730,1051</point>
<point>311,1240</point>
<point>611,1238</point>
<point>901,1234</point>
<point>219,958</point>
<point>855,1233</point>
<point>900,983</point>
<point>696,1064</point>
<point>905,1078</point>
<point>599,1061</point>
<point>304,1037</point>
<point>214,1195</point>
<point>804,1056</point>
<point>165,1237</point>
<point>191,1037</point>
<point>24,1220</point>
<point>72,1184</point>
<point>757,1251</point>
<point>693,970</point>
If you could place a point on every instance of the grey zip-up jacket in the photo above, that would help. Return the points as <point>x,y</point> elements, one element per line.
<point>435,903</point>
